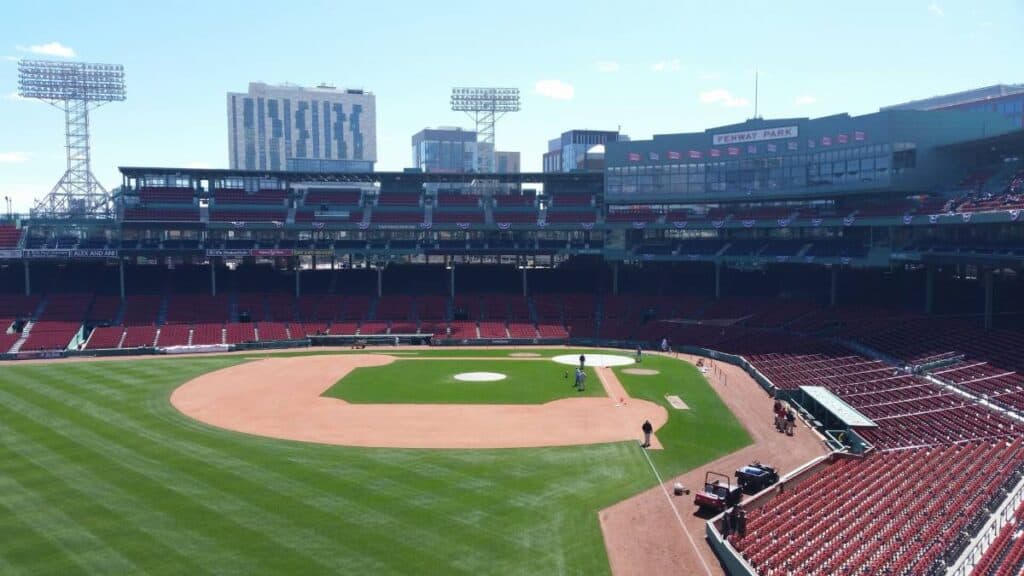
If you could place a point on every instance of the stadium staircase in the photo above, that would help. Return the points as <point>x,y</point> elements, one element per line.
<point>25,332</point>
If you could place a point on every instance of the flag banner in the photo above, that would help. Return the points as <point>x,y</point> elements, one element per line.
<point>966,216</point>
<point>717,223</point>
<point>816,222</point>
<point>749,223</point>
<point>810,144</point>
<point>680,224</point>
<point>783,222</point>
<point>848,221</point>
<point>587,225</point>
<point>770,147</point>
<point>751,148</point>
<point>652,155</point>
<point>460,225</point>
<point>238,224</point>
<point>318,225</point>
<point>363,225</point>
<point>542,224</point>
<point>634,157</point>
<point>715,152</point>
<point>933,218</point>
<point>845,260</point>
<point>842,138</point>
<point>504,225</point>
<point>673,155</point>
<point>907,218</point>
<point>1014,214</point>
<point>639,225</point>
<point>278,224</point>
<point>695,154</point>
<point>858,136</point>
<point>425,225</point>
<point>792,145</point>
<point>734,151</point>
<point>826,141</point>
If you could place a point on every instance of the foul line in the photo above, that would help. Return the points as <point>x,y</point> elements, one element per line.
<point>672,504</point>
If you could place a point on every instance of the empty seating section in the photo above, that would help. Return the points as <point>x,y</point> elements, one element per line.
<point>276,331</point>
<point>461,200</point>
<point>162,214</point>
<point>515,216</point>
<point>223,215</point>
<point>208,333</point>
<point>571,200</point>
<point>189,308</point>
<point>141,310</point>
<point>236,333</point>
<point>138,336</point>
<point>173,335</point>
<point>555,216</point>
<point>525,199</point>
<point>9,236</point>
<point>105,337</point>
<point>330,198</point>
<point>641,214</point>
<point>398,199</point>
<point>231,196</point>
<point>1005,556</point>
<point>383,216</point>
<point>444,217</point>
<point>871,515</point>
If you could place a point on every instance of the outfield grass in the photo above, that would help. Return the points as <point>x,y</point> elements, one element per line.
<point>433,382</point>
<point>100,475</point>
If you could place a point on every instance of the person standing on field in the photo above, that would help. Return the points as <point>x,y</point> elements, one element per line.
<point>648,429</point>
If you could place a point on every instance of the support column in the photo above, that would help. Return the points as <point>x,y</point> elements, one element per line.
<point>451,283</point>
<point>28,281</point>
<point>298,286</point>
<point>213,276</point>
<point>120,266</point>
<point>989,292</point>
<point>525,291</point>
<point>380,282</point>
<point>834,287</point>
<point>718,280</point>
<point>929,290</point>
<point>615,278</point>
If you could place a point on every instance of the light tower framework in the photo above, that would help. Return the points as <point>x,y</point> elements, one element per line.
<point>485,106</point>
<point>75,88</point>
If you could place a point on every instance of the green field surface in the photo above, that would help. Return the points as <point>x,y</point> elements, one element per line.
<point>99,474</point>
<point>704,432</point>
<point>407,381</point>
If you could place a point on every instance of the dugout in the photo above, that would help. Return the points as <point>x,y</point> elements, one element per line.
<point>832,414</point>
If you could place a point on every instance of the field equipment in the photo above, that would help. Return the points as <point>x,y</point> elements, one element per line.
<point>756,477</point>
<point>718,493</point>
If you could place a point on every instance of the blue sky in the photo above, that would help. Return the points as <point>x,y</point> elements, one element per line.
<point>650,67</point>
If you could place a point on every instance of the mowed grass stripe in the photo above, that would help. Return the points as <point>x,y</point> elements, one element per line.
<point>397,495</point>
<point>254,480</point>
<point>88,498</point>
<point>247,508</point>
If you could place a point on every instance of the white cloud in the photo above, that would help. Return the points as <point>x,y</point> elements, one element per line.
<point>805,100</point>
<point>13,157</point>
<point>554,89</point>
<point>709,76</point>
<point>11,58</point>
<point>724,98</point>
<point>198,165</point>
<point>936,10</point>
<point>49,49</point>
<point>607,66</point>
<point>985,24</point>
<point>673,65</point>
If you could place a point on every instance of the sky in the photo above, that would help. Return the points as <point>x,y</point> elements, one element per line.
<point>647,67</point>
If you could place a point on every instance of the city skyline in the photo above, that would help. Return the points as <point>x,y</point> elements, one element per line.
<point>615,68</point>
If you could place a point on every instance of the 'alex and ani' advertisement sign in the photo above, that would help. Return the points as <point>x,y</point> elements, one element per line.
<point>756,135</point>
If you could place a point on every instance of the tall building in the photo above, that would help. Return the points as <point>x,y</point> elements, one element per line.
<point>454,150</point>
<point>295,128</point>
<point>445,149</point>
<point>506,162</point>
<point>1005,99</point>
<point>570,151</point>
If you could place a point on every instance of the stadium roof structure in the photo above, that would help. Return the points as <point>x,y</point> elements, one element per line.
<point>847,414</point>
<point>579,177</point>
<point>1005,142</point>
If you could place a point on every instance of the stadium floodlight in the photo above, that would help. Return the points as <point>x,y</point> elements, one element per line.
<point>75,88</point>
<point>485,106</point>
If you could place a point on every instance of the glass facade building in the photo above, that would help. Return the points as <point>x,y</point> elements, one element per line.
<point>569,151</point>
<point>1004,99</point>
<point>322,129</point>
<point>445,150</point>
<point>798,157</point>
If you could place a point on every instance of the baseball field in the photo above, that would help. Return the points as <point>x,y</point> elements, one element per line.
<point>101,473</point>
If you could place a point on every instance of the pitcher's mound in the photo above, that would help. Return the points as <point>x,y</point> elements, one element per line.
<point>640,371</point>
<point>480,376</point>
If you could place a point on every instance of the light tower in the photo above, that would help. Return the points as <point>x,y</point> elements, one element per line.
<point>75,88</point>
<point>485,106</point>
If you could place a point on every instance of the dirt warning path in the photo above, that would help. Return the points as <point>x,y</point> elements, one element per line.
<point>643,535</point>
<point>281,398</point>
